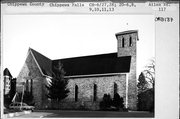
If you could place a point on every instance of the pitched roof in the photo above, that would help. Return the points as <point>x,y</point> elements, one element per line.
<point>86,65</point>
<point>95,64</point>
<point>44,62</point>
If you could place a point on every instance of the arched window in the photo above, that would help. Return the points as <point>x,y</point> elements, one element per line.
<point>130,41</point>
<point>115,88</point>
<point>95,92</point>
<point>76,93</point>
<point>122,42</point>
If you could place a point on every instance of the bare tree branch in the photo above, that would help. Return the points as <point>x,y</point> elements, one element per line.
<point>149,72</point>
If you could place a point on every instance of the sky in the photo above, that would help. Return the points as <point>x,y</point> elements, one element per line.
<point>64,36</point>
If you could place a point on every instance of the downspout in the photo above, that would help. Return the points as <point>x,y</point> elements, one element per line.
<point>126,90</point>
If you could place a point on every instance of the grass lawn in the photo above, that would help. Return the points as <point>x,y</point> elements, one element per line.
<point>101,114</point>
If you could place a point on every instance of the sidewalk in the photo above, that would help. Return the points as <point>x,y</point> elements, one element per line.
<point>14,114</point>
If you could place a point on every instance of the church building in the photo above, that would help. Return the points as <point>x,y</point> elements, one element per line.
<point>90,77</point>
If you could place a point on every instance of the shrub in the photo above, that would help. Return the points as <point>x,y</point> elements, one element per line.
<point>106,102</point>
<point>118,101</point>
<point>146,101</point>
<point>116,104</point>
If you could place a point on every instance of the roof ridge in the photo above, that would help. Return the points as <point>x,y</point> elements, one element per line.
<point>87,56</point>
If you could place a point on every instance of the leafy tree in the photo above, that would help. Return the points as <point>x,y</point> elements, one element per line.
<point>142,83</point>
<point>57,90</point>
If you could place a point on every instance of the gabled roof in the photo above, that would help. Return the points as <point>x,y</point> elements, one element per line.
<point>95,64</point>
<point>7,72</point>
<point>86,65</point>
<point>45,64</point>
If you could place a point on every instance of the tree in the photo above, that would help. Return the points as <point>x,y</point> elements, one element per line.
<point>13,88</point>
<point>142,83</point>
<point>149,72</point>
<point>57,90</point>
<point>146,88</point>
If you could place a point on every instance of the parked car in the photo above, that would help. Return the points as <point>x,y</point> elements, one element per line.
<point>21,106</point>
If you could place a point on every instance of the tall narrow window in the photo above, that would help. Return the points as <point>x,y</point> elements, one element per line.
<point>76,93</point>
<point>115,88</point>
<point>27,85</point>
<point>31,86</point>
<point>122,42</point>
<point>130,41</point>
<point>95,92</point>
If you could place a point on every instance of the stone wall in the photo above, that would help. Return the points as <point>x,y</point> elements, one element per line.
<point>130,51</point>
<point>104,84</point>
<point>29,71</point>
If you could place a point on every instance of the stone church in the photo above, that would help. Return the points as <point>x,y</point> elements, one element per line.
<point>90,77</point>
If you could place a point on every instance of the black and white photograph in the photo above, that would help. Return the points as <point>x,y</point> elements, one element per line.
<point>79,65</point>
<point>80,62</point>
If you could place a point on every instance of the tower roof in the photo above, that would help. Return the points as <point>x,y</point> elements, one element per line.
<point>7,72</point>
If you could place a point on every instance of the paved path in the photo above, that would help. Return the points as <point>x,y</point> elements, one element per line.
<point>60,113</point>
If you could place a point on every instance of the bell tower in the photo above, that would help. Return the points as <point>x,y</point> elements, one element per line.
<point>126,44</point>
